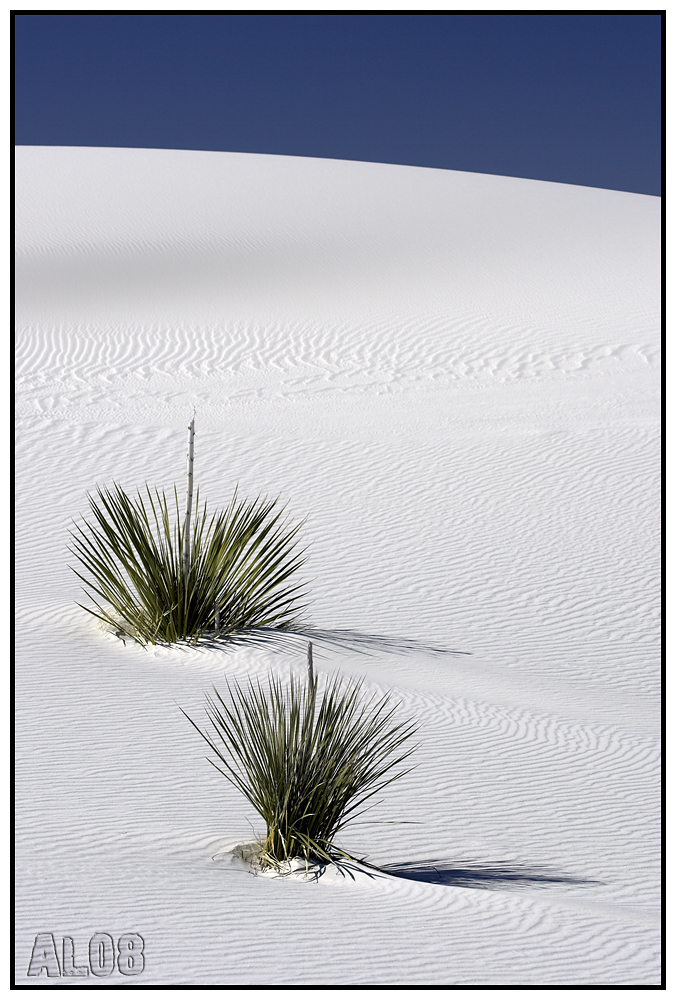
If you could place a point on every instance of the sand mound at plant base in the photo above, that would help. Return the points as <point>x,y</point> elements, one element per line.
<point>247,855</point>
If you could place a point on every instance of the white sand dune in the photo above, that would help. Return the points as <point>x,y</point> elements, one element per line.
<point>455,377</point>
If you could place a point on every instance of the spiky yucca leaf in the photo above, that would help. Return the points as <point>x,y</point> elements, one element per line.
<point>307,762</point>
<point>241,563</point>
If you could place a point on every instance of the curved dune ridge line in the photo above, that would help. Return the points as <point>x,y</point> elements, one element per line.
<point>228,262</point>
<point>454,377</point>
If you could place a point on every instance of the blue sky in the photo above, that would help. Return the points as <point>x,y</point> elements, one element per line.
<point>561,97</point>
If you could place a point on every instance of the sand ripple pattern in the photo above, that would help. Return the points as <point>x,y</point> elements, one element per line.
<point>454,378</point>
<point>494,786</point>
<point>310,360</point>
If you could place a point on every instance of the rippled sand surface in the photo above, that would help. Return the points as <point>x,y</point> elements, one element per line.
<point>454,377</point>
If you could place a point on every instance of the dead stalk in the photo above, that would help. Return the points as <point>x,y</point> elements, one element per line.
<point>310,669</point>
<point>188,499</point>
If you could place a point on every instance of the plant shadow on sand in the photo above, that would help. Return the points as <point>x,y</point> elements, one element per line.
<point>475,875</point>
<point>349,640</point>
<point>468,875</point>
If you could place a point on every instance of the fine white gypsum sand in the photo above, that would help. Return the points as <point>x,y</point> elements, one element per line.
<point>455,377</point>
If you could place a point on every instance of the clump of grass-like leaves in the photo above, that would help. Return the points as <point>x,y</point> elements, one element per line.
<point>306,761</point>
<point>154,578</point>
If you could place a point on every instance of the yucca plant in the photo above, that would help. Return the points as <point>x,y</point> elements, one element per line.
<point>158,577</point>
<point>306,760</point>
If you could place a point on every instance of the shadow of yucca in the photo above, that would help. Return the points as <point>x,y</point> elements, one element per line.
<point>366,642</point>
<point>479,875</point>
<point>295,639</point>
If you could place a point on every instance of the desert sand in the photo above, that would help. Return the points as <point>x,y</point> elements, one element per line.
<point>454,378</point>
